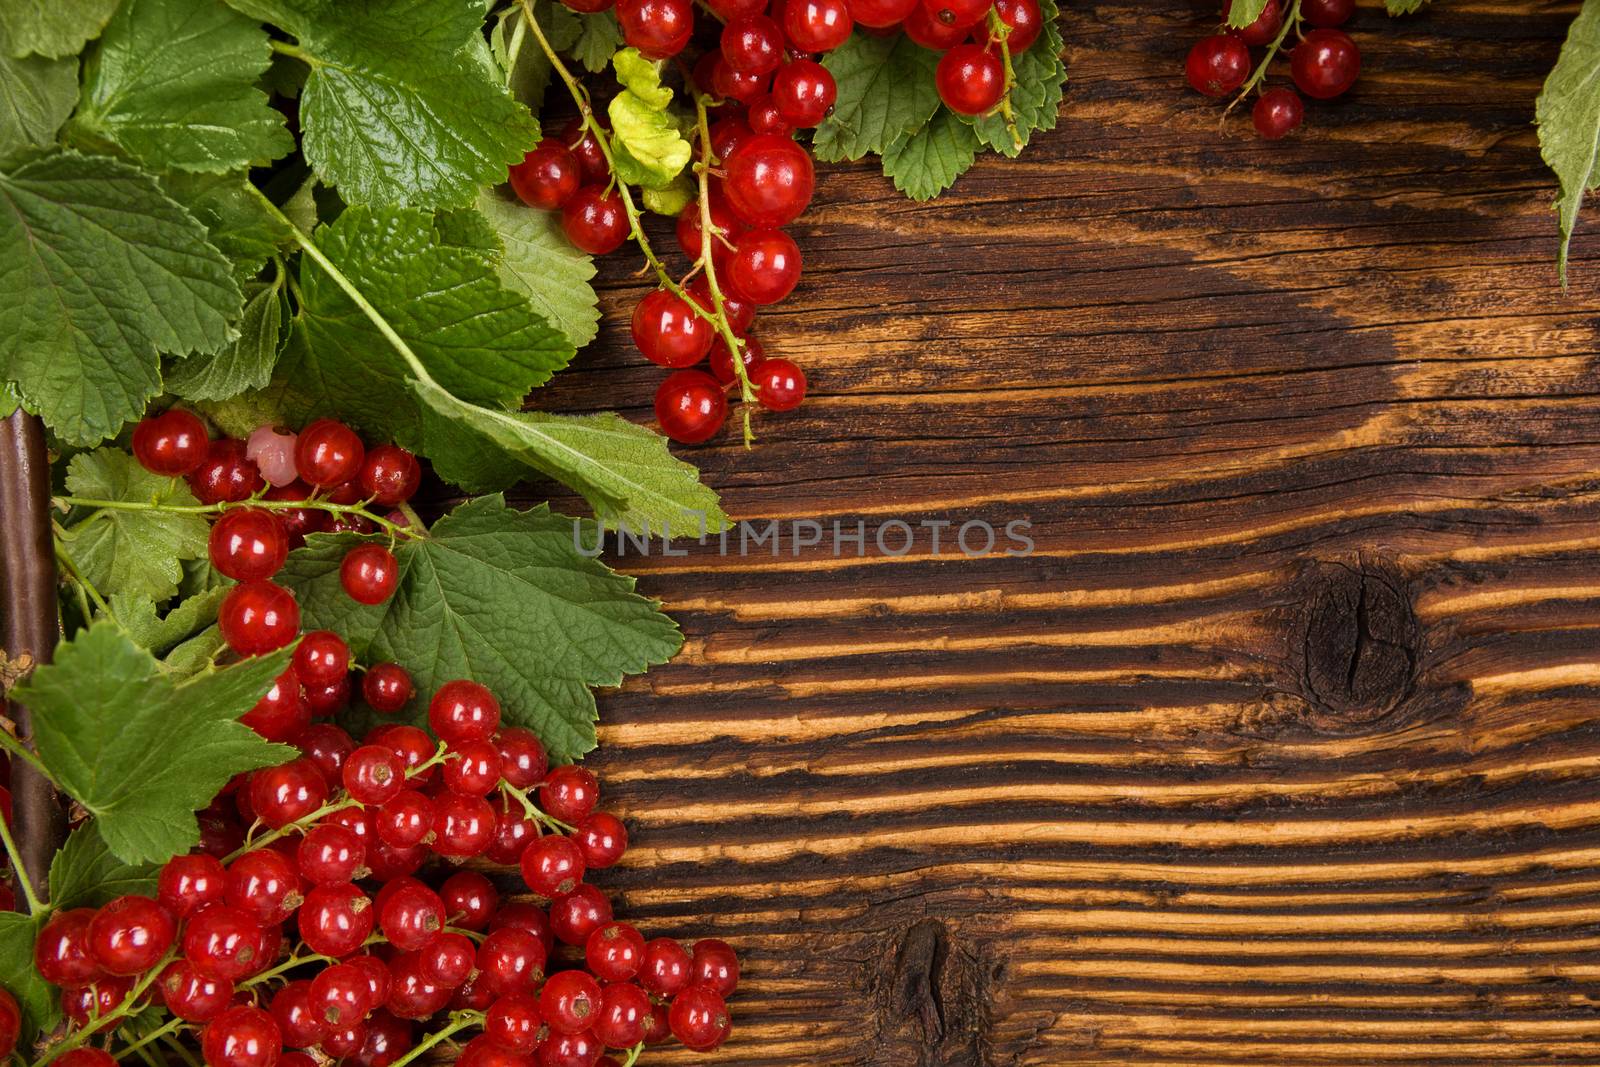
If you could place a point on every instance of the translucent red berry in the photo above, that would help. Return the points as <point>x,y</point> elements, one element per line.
<point>328,453</point>
<point>258,617</point>
<point>690,406</point>
<point>1277,112</point>
<point>171,443</point>
<point>1217,65</point>
<point>1325,64</point>
<point>369,574</point>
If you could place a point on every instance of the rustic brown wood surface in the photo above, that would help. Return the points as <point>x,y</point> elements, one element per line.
<point>1284,746</point>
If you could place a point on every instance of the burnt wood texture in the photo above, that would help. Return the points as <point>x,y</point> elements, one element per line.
<point>1282,747</point>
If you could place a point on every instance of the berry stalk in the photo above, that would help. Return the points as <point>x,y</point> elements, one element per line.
<point>1291,21</point>
<point>394,529</point>
<point>1000,31</point>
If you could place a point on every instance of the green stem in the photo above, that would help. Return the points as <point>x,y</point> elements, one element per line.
<point>533,811</point>
<point>155,1035</point>
<point>1291,21</point>
<point>459,1021</point>
<point>286,966</point>
<point>707,235</point>
<point>131,1005</point>
<point>184,1054</point>
<point>35,905</point>
<point>22,752</point>
<point>394,529</point>
<point>633,1055</point>
<point>1000,29</point>
<point>83,583</point>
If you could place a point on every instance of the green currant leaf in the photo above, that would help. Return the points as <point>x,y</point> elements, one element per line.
<point>521,62</point>
<point>598,40</point>
<point>161,634</point>
<point>648,148</point>
<point>477,338</point>
<point>141,752</point>
<point>53,28</point>
<point>138,553</point>
<point>86,874</point>
<point>1404,7</point>
<point>642,78</point>
<point>485,587</point>
<point>245,364</point>
<point>926,163</point>
<point>36,96</point>
<point>1241,13</point>
<point>236,221</point>
<point>105,272</point>
<point>1036,97</point>
<point>398,108</point>
<point>174,83</point>
<point>1568,114</point>
<point>886,91</point>
<point>39,1000</point>
<point>534,257</point>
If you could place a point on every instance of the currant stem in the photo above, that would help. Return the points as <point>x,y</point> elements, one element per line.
<point>1291,21</point>
<point>35,905</point>
<point>83,583</point>
<point>533,810</point>
<point>459,1021</point>
<point>22,752</point>
<point>155,1035</point>
<point>1001,29</point>
<point>394,529</point>
<point>633,1055</point>
<point>130,1006</point>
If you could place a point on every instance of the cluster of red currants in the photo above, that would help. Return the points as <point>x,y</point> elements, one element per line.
<point>1323,64</point>
<point>342,834</point>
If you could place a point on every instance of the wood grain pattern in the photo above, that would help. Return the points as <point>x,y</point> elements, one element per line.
<point>1282,747</point>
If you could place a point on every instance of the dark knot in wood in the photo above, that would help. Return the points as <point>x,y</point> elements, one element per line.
<point>918,971</point>
<point>1360,642</point>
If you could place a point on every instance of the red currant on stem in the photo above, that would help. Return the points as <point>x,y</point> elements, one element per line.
<point>522,757</point>
<point>1217,65</point>
<point>665,968</point>
<point>624,1015</point>
<point>1025,20</point>
<point>248,544</point>
<point>769,180</point>
<point>739,313</point>
<point>405,820</point>
<point>462,825</point>
<point>171,443</point>
<point>373,774</point>
<point>1327,13</point>
<point>699,1018</point>
<point>190,995</point>
<point>751,352</point>
<point>804,92</point>
<point>328,453</point>
<point>569,793</point>
<point>188,883</point>
<point>1325,64</point>
<point>548,176</point>
<point>690,406</point>
<point>329,854</point>
<point>265,884</point>
<point>258,617</point>
<point>752,44</point>
<point>880,14</point>
<point>369,574</point>
<point>780,385</point>
<point>224,943</point>
<point>576,915</point>
<point>765,267</point>
<point>1266,26</point>
<point>552,866</point>
<point>243,1036</point>
<point>225,475</point>
<point>614,952</point>
<point>511,961</point>
<point>668,331</point>
<point>1277,112</point>
<point>580,140</point>
<point>569,1001</point>
<point>817,25</point>
<point>130,934</point>
<point>321,658</point>
<point>463,711</point>
<point>389,475</point>
<point>657,28</point>
<point>513,1022</point>
<point>287,793</point>
<point>595,221</point>
<point>602,839</point>
<point>970,79</point>
<point>386,687</point>
<point>716,966</point>
<point>335,919</point>
<point>470,900</point>
<point>766,118</point>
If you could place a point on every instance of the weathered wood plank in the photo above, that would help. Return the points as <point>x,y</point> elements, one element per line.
<point>1280,748</point>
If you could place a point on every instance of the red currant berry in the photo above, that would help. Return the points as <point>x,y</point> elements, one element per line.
<point>85,1003</point>
<point>970,78</point>
<point>1325,64</point>
<point>548,176</point>
<point>469,900</point>
<point>296,1014</point>
<point>731,84</point>
<point>740,313</point>
<point>449,958</point>
<point>666,968</point>
<point>482,1052</point>
<point>752,44</point>
<point>522,756</point>
<point>462,825</point>
<point>463,711</point>
<point>586,149</point>
<point>511,961</point>
<point>473,768</point>
<point>390,475</point>
<point>171,443</point>
<point>329,854</point>
<point>513,830</point>
<point>226,475</point>
<point>930,33</point>
<point>722,218</point>
<point>529,918</point>
<point>880,14</point>
<point>657,1031</point>
<point>766,266</point>
<point>961,14</point>
<point>769,180</point>
<point>817,25</point>
<point>624,1015</point>
<point>1025,20</point>
<point>411,994</point>
<point>327,747</point>
<point>328,453</point>
<point>341,1043</point>
<point>751,353</point>
<point>552,866</point>
<point>388,1040</point>
<point>386,687</point>
<point>265,884</point>
<point>85,1057</point>
<point>780,385</point>
<point>281,715</point>
<point>321,658</point>
<point>335,919</point>
<point>369,574</point>
<point>569,1001</point>
<point>327,700</point>
<point>569,793</point>
<point>130,934</point>
<point>411,744</point>
<point>188,883</point>
<point>377,973</point>
<point>602,839</point>
<point>804,92</point>
<point>513,1022</point>
<point>411,915</point>
<point>190,995</point>
<point>242,1036</point>
<point>1277,112</point>
<point>339,996</point>
<point>287,793</point>
<point>699,1018</point>
<point>581,1049</point>
<point>405,820</point>
<point>715,966</point>
<point>224,943</point>
<point>657,28</point>
<point>258,617</point>
<point>728,134</point>
<point>248,544</point>
<point>1217,65</point>
<point>298,522</point>
<point>614,952</point>
<point>690,406</point>
<point>1264,29</point>
<point>669,332</point>
<point>766,118</point>
<point>576,915</point>
<point>1327,13</point>
<point>373,774</point>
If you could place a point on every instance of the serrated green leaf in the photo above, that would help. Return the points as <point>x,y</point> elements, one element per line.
<point>646,146</point>
<point>105,272</point>
<point>1404,7</point>
<point>36,96</point>
<point>502,597</point>
<point>236,221</point>
<point>53,27</point>
<point>1242,13</point>
<point>39,1001</point>
<point>174,83</point>
<point>1036,97</point>
<point>477,338</point>
<point>1568,114</point>
<point>642,78</point>
<point>245,364</point>
<point>85,873</point>
<point>142,753</point>
<point>671,199</point>
<point>598,40</point>
<point>623,470</point>
<point>536,259</point>
<point>131,552</point>
<point>929,161</point>
<point>8,400</point>
<point>398,108</point>
<point>161,634</point>
<point>522,63</point>
<point>886,90</point>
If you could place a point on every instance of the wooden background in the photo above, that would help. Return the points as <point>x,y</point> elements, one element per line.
<point>1282,747</point>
